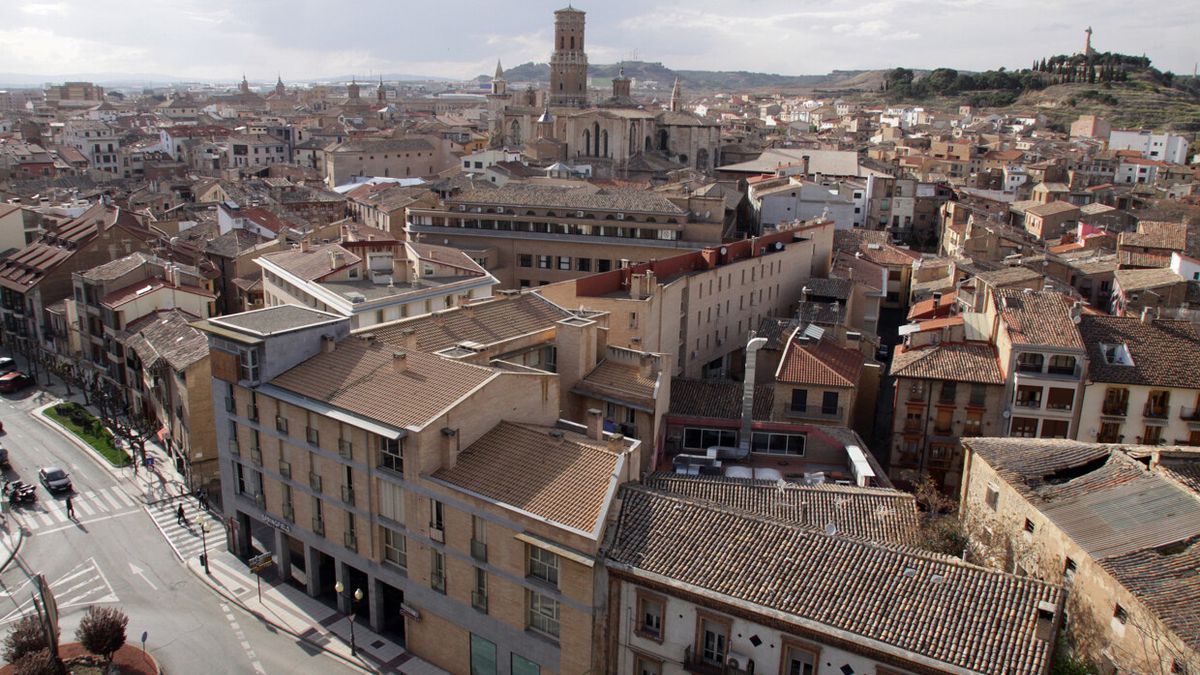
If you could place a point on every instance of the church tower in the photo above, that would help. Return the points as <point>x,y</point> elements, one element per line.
<point>677,97</point>
<point>245,86</point>
<point>498,101</point>
<point>620,85</point>
<point>381,93</point>
<point>279,90</point>
<point>499,84</point>
<point>568,63</point>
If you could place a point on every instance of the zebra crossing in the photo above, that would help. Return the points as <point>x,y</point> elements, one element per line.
<point>50,514</point>
<point>186,540</point>
<point>85,584</point>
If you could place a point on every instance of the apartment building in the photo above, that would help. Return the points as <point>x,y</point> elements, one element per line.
<point>1092,518</point>
<point>875,247</point>
<point>945,391</point>
<point>448,493</point>
<point>535,234</point>
<point>250,151</point>
<point>1165,147</point>
<point>700,307</point>
<point>1138,389</point>
<point>872,611</point>
<point>389,157</point>
<point>823,382</point>
<point>97,141</point>
<point>371,277</point>
<point>1041,357</point>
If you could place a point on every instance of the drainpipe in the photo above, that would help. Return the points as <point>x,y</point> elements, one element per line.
<point>752,348</point>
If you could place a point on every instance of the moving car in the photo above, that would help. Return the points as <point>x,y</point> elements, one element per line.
<point>7,364</point>
<point>14,381</point>
<point>55,479</point>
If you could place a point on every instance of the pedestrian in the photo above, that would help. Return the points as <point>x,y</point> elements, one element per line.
<point>70,508</point>
<point>179,515</point>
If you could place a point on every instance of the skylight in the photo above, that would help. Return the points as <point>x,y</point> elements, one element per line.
<point>1116,355</point>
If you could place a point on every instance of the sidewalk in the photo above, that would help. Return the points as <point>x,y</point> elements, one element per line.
<point>293,611</point>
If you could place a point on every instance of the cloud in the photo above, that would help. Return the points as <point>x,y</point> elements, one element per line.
<point>873,29</point>
<point>44,8</point>
<point>33,49</point>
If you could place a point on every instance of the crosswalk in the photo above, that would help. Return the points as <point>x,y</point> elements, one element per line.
<point>85,584</point>
<point>186,540</point>
<point>50,514</point>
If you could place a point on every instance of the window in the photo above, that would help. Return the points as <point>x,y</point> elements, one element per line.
<point>644,665</point>
<point>437,571</point>
<point>992,498</point>
<point>281,424</point>
<point>949,392</point>
<point>564,263</point>
<point>479,596</point>
<point>544,262</point>
<point>650,610</point>
<point>777,443</point>
<point>799,659</point>
<point>437,515</point>
<point>603,265</point>
<point>391,454</point>
<point>478,538</point>
<point>395,548</point>
<point>543,614</point>
<point>1061,364</point>
<point>978,395</point>
<point>1120,615</point>
<point>829,403</point>
<point>1024,427</point>
<point>519,665</point>
<point>583,264</point>
<point>311,435</point>
<point>543,565</point>
<point>1069,569</point>
<point>1029,362</point>
<point>1030,528</point>
<point>694,437</point>
<point>248,360</point>
<point>391,501</point>
<point>799,400</point>
<point>713,638</point>
<point>483,656</point>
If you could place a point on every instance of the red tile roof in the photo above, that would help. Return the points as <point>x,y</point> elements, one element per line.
<point>820,363</point>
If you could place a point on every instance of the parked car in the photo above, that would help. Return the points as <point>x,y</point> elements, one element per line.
<point>7,364</point>
<point>55,479</point>
<point>14,381</point>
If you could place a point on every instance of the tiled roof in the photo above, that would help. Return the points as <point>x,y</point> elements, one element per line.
<point>1129,258</point>
<point>1165,579</point>
<point>1156,234</point>
<point>359,375</point>
<point>874,246</point>
<point>934,606</point>
<point>570,198</point>
<point>1052,209</point>
<point>487,322</point>
<point>386,145</point>
<point>858,270</point>
<point>233,242</point>
<point>171,337</point>
<point>717,399</point>
<point>827,288</point>
<point>875,514</point>
<point>1038,317</point>
<point>1007,276</point>
<point>277,319</point>
<point>315,263</point>
<point>1157,349</point>
<point>624,382</point>
<point>564,478</point>
<point>1141,279</point>
<point>820,363</point>
<point>115,269</point>
<point>957,361</point>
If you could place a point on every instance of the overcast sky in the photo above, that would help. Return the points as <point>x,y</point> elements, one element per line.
<point>219,39</point>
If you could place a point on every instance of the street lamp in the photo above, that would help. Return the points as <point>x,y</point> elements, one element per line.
<point>358,595</point>
<point>205,526</point>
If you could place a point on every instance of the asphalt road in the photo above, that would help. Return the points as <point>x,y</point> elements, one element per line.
<point>113,554</point>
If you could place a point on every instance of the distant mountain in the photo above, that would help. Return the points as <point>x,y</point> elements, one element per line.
<point>102,79</point>
<point>387,77</point>
<point>723,80</point>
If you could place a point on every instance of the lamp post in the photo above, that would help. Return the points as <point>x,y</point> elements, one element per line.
<point>358,595</point>
<point>205,526</point>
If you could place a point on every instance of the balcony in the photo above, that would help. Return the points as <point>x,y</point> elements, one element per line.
<point>479,601</point>
<point>318,526</point>
<point>816,412</point>
<point>1189,414</point>
<point>436,533</point>
<point>912,425</point>
<point>314,481</point>
<point>479,550</point>
<point>1030,403</point>
<point>1156,412</point>
<point>1115,408</point>
<point>348,494</point>
<point>1060,406</point>
<point>693,663</point>
<point>943,428</point>
<point>1110,438</point>
<point>350,539</point>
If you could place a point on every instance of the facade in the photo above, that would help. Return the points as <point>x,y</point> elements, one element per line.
<point>874,247</point>
<point>822,382</point>
<point>1051,220</point>
<point>1163,147</point>
<point>700,307</point>
<point>389,157</point>
<point>468,515</point>
<point>250,151</point>
<point>568,62</point>
<point>789,199</point>
<point>372,278</point>
<point>1136,390</point>
<point>945,392</point>
<point>534,235</point>
<point>1091,517</point>
<point>97,141</point>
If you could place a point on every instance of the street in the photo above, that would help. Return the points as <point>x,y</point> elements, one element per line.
<point>113,553</point>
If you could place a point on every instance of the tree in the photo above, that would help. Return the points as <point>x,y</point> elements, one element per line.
<point>102,631</point>
<point>25,637</point>
<point>136,430</point>
<point>940,529</point>
<point>41,662</point>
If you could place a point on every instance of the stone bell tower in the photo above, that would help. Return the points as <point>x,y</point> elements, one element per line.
<point>568,63</point>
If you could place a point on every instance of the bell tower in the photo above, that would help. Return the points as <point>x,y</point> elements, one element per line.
<point>568,63</point>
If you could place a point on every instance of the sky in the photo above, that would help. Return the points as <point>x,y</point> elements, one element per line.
<point>300,39</point>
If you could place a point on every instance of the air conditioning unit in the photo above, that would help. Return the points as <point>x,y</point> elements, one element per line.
<point>738,661</point>
<point>499,209</point>
<point>579,214</point>
<point>620,216</point>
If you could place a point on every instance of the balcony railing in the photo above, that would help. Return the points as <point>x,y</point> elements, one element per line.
<point>1110,438</point>
<point>1156,412</point>
<point>1189,414</point>
<point>479,550</point>
<point>912,425</point>
<point>1114,408</point>
<point>940,428</point>
<point>1059,405</point>
<point>479,601</point>
<point>1034,403</point>
<point>318,526</point>
<point>348,494</point>
<point>818,412</point>
<point>693,663</point>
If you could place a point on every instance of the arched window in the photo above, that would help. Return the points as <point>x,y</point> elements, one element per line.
<point>561,42</point>
<point>604,138</point>
<point>662,139</point>
<point>572,42</point>
<point>648,146</point>
<point>587,142</point>
<point>515,133</point>
<point>596,135</point>
<point>633,136</point>
<point>702,159</point>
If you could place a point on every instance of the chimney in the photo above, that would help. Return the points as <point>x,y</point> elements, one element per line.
<point>305,245</point>
<point>1147,314</point>
<point>595,424</point>
<point>804,165</point>
<point>646,366</point>
<point>409,335</point>
<point>327,344</point>
<point>616,444</point>
<point>752,348</point>
<point>637,284</point>
<point>399,362</point>
<point>468,309</point>
<point>937,298</point>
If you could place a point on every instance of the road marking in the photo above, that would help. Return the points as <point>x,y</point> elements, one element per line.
<point>241,637</point>
<point>60,528</point>
<point>139,572</point>
<point>110,499</point>
<point>82,505</point>
<point>44,517</point>
<point>125,499</point>
<point>60,514</point>
<point>85,590</point>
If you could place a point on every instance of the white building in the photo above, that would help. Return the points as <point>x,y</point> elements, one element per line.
<point>97,141</point>
<point>784,200</point>
<point>478,162</point>
<point>1166,147</point>
<point>1185,266</point>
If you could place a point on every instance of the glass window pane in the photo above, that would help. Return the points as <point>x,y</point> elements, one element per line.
<point>483,656</point>
<point>523,666</point>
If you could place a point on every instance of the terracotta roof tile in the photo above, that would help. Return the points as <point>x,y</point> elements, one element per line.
<point>1038,317</point>
<point>1157,348</point>
<point>957,361</point>
<point>486,322</point>
<point>610,379</point>
<point>717,399</point>
<point>565,479</point>
<point>820,363</point>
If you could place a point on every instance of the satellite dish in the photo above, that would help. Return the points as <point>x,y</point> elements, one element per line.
<point>909,572</point>
<point>1006,413</point>
<point>724,250</point>
<point>830,529</point>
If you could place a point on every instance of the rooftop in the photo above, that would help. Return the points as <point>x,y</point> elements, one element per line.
<point>1156,350</point>
<point>717,399</point>
<point>272,320</point>
<point>586,197</point>
<point>566,478</point>
<point>956,361</point>
<point>487,322</point>
<point>1038,317</point>
<point>1143,279</point>
<point>819,362</point>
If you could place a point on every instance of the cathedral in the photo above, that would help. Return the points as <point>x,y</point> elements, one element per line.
<point>618,137</point>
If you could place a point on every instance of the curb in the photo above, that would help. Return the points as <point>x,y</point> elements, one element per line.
<point>258,615</point>
<point>39,414</point>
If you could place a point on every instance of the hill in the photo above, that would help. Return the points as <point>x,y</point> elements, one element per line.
<point>709,80</point>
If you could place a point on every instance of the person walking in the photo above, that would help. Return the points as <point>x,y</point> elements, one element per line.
<point>70,507</point>
<point>180,517</point>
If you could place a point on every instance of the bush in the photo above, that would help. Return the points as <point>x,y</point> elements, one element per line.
<point>25,637</point>
<point>38,663</point>
<point>102,630</point>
